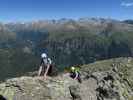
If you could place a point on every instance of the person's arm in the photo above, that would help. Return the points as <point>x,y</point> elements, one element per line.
<point>40,70</point>
<point>42,62</point>
<point>76,75</point>
<point>45,74</point>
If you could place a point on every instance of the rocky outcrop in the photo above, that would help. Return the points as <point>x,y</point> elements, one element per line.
<point>59,88</point>
<point>96,85</point>
<point>64,88</point>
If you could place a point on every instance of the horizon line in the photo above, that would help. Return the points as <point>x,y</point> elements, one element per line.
<point>56,19</point>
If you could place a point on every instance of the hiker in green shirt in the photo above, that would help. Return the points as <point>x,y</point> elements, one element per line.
<point>75,74</point>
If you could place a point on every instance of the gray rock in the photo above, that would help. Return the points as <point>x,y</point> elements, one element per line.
<point>105,85</point>
<point>57,88</point>
<point>75,92</point>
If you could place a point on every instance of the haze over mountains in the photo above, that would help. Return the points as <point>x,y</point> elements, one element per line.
<point>67,42</point>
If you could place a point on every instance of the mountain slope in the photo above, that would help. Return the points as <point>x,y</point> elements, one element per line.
<point>98,83</point>
<point>66,41</point>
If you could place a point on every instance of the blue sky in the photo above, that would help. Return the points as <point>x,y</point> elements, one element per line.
<point>27,10</point>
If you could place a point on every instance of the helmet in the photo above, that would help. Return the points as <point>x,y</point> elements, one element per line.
<point>43,55</point>
<point>72,68</point>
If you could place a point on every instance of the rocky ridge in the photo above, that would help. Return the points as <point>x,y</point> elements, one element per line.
<point>96,85</point>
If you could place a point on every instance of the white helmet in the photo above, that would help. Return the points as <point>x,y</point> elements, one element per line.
<point>72,68</point>
<point>44,55</point>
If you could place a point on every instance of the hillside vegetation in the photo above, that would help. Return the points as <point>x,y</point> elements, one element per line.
<point>67,42</point>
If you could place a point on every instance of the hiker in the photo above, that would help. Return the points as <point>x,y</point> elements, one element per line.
<point>75,74</point>
<point>45,66</point>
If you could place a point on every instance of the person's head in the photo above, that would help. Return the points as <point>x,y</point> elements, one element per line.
<point>72,68</point>
<point>43,55</point>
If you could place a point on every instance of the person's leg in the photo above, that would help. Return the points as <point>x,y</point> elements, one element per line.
<point>79,79</point>
<point>72,75</point>
<point>50,70</point>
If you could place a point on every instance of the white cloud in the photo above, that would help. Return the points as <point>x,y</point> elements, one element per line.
<point>127,4</point>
